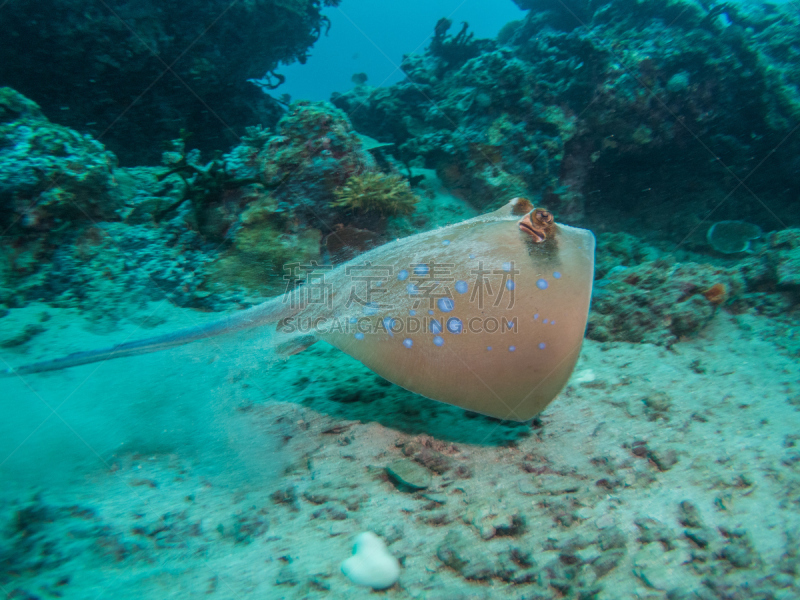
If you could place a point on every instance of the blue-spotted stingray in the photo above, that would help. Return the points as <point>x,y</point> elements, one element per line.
<point>487,314</point>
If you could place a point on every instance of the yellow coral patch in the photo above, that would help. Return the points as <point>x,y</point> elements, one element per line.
<point>376,192</point>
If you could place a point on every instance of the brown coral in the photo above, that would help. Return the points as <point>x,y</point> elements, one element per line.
<point>716,294</point>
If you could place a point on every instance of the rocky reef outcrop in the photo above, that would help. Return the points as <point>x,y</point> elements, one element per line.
<point>638,115</point>
<point>135,73</point>
<point>205,233</point>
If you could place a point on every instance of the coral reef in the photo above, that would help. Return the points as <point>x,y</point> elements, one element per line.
<point>132,75</point>
<point>80,232</point>
<point>316,178</point>
<point>313,152</point>
<point>635,115</point>
<point>199,233</point>
<point>786,257</point>
<point>643,294</point>
<point>49,174</point>
<point>452,51</point>
<point>657,302</point>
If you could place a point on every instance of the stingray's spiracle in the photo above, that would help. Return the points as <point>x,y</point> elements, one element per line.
<point>539,224</point>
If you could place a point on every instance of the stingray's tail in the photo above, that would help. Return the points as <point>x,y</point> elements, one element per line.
<point>262,314</point>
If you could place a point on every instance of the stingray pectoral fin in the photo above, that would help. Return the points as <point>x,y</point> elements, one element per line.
<point>502,358</point>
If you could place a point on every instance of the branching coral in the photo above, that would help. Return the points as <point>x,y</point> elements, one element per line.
<point>376,192</point>
<point>203,185</point>
<point>454,50</point>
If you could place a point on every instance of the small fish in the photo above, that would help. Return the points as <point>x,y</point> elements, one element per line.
<point>487,314</point>
<point>359,78</point>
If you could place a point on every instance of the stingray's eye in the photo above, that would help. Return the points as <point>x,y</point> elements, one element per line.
<point>542,217</point>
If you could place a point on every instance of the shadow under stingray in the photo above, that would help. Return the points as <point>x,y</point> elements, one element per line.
<point>331,382</point>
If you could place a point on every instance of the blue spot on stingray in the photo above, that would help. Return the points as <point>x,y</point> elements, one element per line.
<point>506,266</point>
<point>371,308</point>
<point>353,320</point>
<point>412,312</point>
<point>438,340</point>
<point>445,242</point>
<point>435,326</point>
<point>472,256</point>
<point>541,346</point>
<point>557,275</point>
<point>378,283</point>
<point>359,336</point>
<point>510,285</point>
<point>545,321</point>
<point>462,286</point>
<point>421,270</point>
<point>402,275</point>
<point>408,342</point>
<point>512,348</point>
<point>488,348</point>
<point>541,284</point>
<point>454,325</point>
<point>445,304</point>
<point>388,323</point>
<point>536,316</point>
<point>412,289</point>
<point>552,322</point>
<point>430,312</point>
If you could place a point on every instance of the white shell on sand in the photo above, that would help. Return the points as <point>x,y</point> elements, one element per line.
<point>371,564</point>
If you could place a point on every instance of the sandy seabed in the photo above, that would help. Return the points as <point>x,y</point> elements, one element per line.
<point>218,470</point>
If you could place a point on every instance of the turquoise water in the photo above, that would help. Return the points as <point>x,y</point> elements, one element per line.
<point>445,300</point>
